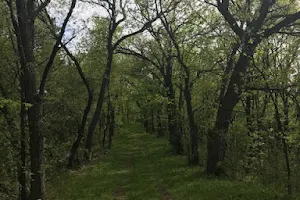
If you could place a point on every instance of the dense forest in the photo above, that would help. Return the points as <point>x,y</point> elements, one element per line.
<point>217,80</point>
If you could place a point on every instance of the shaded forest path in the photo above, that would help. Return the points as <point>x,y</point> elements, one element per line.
<point>141,167</point>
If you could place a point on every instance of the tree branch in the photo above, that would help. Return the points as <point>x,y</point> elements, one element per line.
<point>255,25</point>
<point>284,23</point>
<point>223,9</point>
<point>40,8</point>
<point>55,49</point>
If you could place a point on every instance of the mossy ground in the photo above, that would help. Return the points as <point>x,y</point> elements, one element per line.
<point>141,167</point>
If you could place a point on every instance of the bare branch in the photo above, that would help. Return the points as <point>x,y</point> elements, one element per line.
<point>263,12</point>
<point>40,8</point>
<point>223,9</point>
<point>56,48</point>
<point>284,23</point>
<point>144,27</point>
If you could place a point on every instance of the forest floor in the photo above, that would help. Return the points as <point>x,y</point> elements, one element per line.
<point>140,166</point>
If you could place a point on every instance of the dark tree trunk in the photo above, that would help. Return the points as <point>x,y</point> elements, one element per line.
<point>174,135</point>
<point>181,104</point>
<point>22,170</point>
<point>194,135</point>
<point>152,122</point>
<point>145,121</point>
<point>111,123</point>
<point>105,130</point>
<point>81,129</point>
<point>108,123</point>
<point>285,145</point>
<point>216,146</point>
<point>104,86</point>
<point>36,151</point>
<point>80,134</point>
<point>26,30</point>
<point>160,131</point>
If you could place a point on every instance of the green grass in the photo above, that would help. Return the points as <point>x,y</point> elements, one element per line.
<point>140,167</point>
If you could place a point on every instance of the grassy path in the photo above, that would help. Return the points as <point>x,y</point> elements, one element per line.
<point>140,167</point>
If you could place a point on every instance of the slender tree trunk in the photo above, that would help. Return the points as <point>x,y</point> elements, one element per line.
<point>127,114</point>
<point>145,121</point>
<point>22,170</point>
<point>80,134</point>
<point>81,129</point>
<point>285,145</point>
<point>160,131</point>
<point>104,86</point>
<point>108,122</point>
<point>181,104</point>
<point>111,123</point>
<point>152,122</point>
<point>280,128</point>
<point>105,131</point>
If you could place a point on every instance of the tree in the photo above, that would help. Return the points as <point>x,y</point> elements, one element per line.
<point>24,26</point>
<point>113,8</point>
<point>250,32</point>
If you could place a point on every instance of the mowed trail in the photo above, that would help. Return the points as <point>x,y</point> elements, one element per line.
<point>140,166</point>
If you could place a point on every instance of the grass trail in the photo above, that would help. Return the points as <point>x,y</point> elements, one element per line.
<point>140,167</point>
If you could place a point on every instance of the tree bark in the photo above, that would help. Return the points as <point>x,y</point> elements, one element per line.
<point>25,14</point>
<point>22,167</point>
<point>174,135</point>
<point>86,111</point>
<point>24,29</point>
<point>160,131</point>
<point>216,147</point>
<point>97,114</point>
<point>194,135</point>
<point>111,123</point>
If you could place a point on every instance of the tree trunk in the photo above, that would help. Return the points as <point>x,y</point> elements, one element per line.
<point>145,121</point>
<point>152,122</point>
<point>285,145</point>
<point>111,123</point>
<point>174,135</point>
<point>104,86</point>
<point>81,129</point>
<point>25,29</point>
<point>80,133</point>
<point>160,131</point>
<point>22,167</point>
<point>105,130</point>
<point>216,146</point>
<point>194,137</point>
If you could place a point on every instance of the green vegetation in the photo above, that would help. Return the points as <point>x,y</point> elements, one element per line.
<point>141,166</point>
<point>212,86</point>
